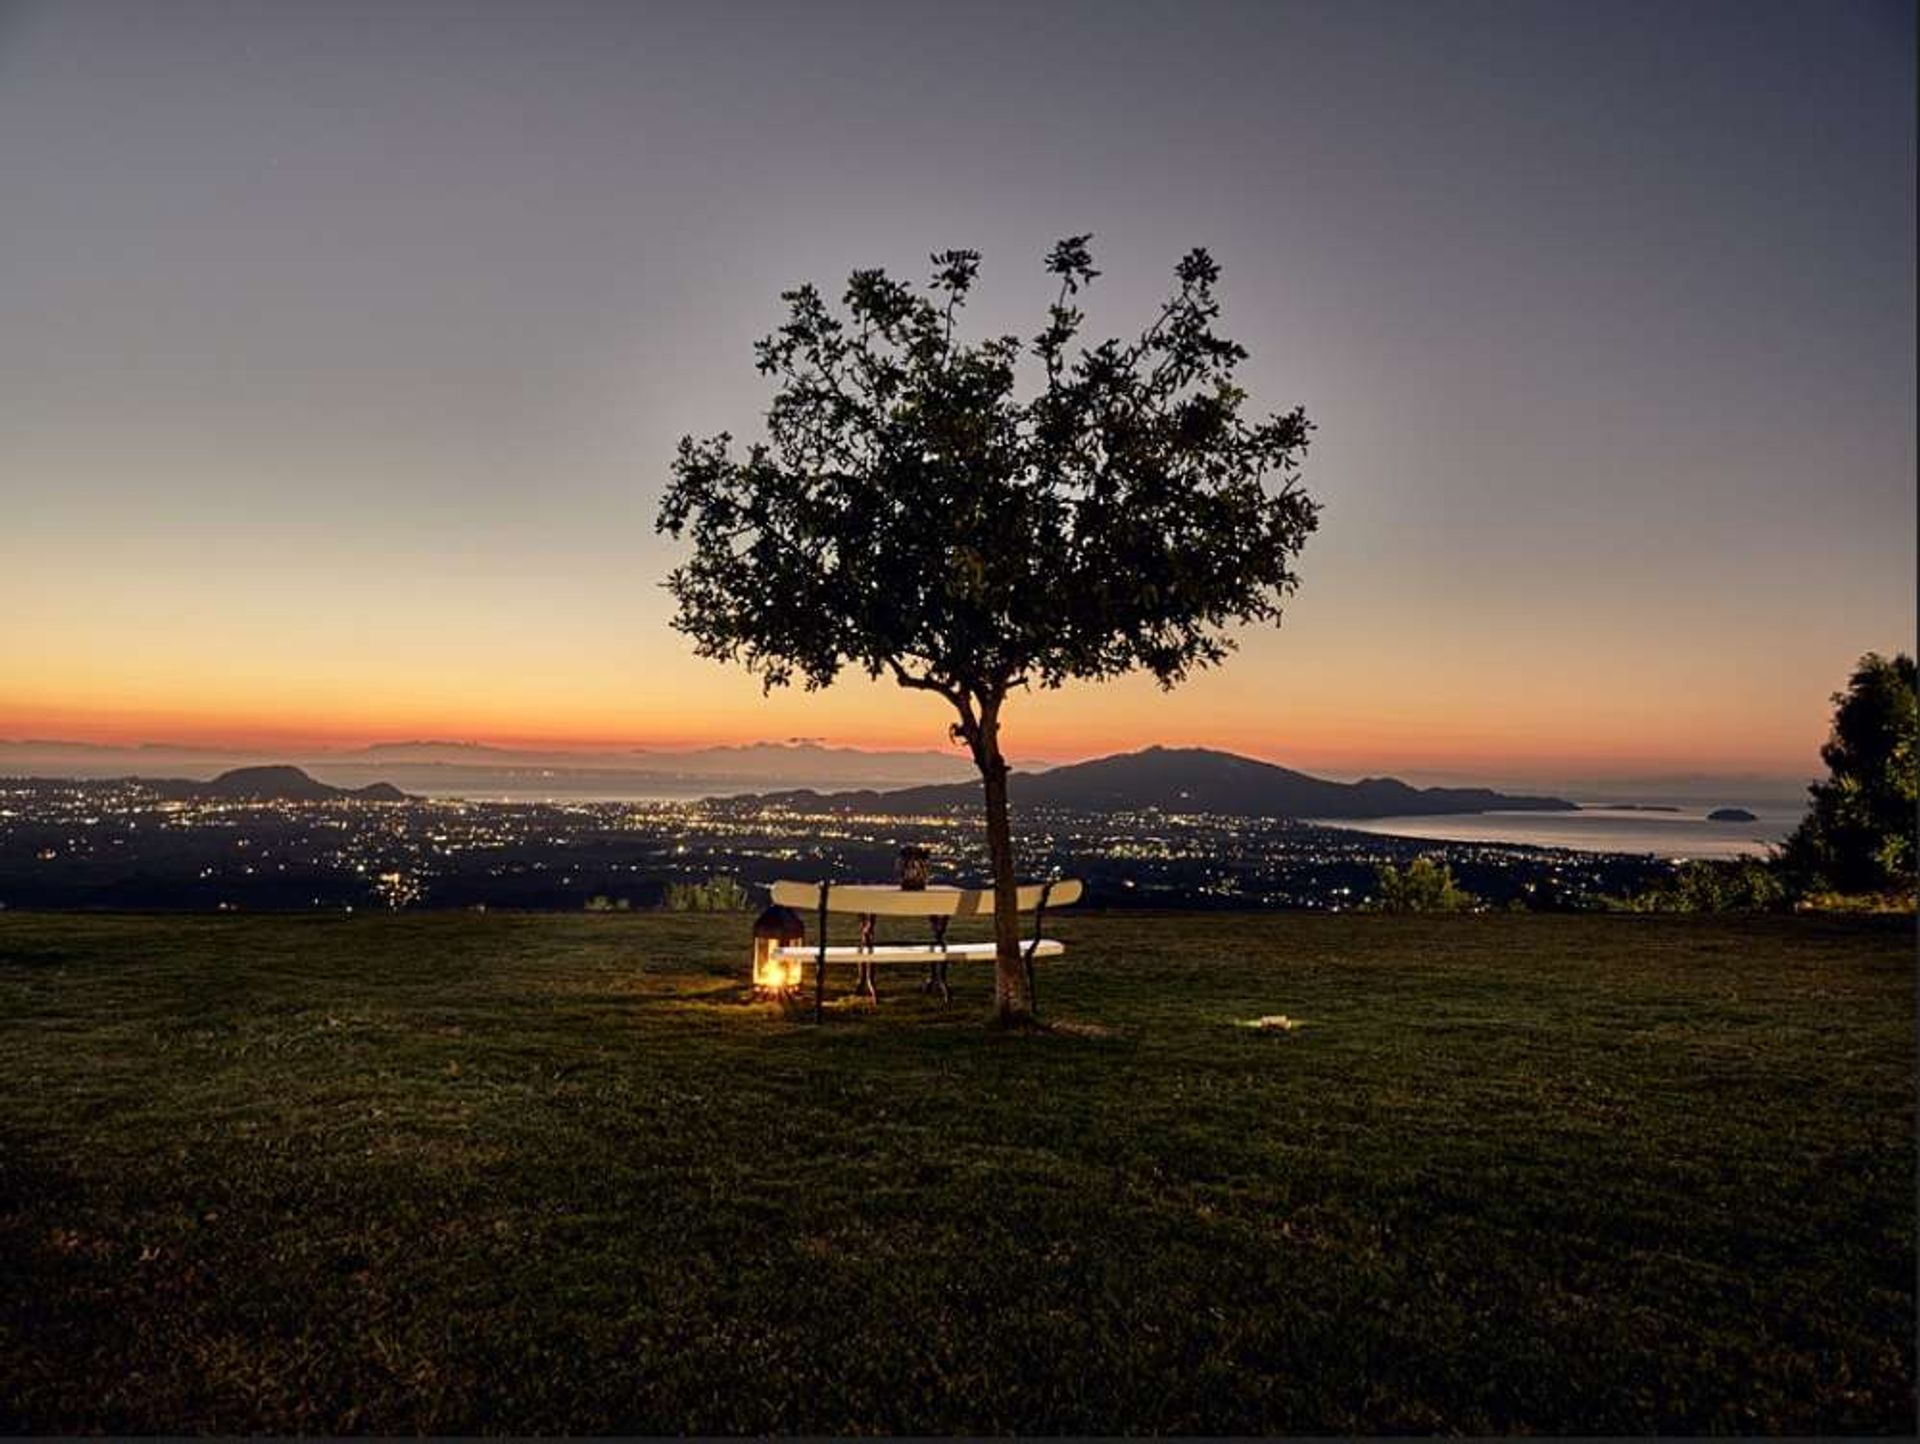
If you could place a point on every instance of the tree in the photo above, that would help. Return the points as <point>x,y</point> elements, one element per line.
<point>911,515</point>
<point>1704,885</point>
<point>1424,886</point>
<point>716,895</point>
<point>1858,834</point>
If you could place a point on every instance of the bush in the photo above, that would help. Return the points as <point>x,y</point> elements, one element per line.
<point>1745,885</point>
<point>1424,887</point>
<point>715,895</point>
<point>1858,902</point>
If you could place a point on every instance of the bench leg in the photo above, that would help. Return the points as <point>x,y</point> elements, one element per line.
<point>820,963</point>
<point>866,983</point>
<point>937,980</point>
<point>1039,922</point>
<point>937,967</point>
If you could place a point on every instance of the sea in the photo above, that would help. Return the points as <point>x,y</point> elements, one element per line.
<point>1683,833</point>
<point>1674,832</point>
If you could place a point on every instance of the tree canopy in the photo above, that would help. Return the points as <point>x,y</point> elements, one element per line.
<point>910,514</point>
<point>1424,886</point>
<point>1858,835</point>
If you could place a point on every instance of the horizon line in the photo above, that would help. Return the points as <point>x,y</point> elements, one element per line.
<point>1590,769</point>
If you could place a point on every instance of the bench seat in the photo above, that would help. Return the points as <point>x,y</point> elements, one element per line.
<point>952,902</point>
<point>916,952</point>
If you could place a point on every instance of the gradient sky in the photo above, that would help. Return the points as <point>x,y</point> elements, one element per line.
<point>343,348</point>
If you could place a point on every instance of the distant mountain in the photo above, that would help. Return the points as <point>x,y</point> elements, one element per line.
<point>785,761</point>
<point>473,768</point>
<point>1192,779</point>
<point>763,762</point>
<point>442,752</point>
<point>439,766</point>
<point>284,784</point>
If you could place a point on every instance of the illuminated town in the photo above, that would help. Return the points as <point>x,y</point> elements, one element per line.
<point>130,845</point>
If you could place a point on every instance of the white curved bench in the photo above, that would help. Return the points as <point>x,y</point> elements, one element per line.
<point>884,900</point>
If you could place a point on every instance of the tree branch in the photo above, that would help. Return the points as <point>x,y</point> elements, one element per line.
<point>926,684</point>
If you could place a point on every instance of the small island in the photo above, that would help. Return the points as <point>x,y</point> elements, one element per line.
<point>1731,814</point>
<point>280,783</point>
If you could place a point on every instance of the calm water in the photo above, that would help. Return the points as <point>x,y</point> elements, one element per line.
<point>1595,828</point>
<point>1686,833</point>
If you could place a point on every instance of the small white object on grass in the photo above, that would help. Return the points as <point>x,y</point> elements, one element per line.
<point>1271,1023</point>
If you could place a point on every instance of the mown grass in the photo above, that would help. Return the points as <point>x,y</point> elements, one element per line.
<point>464,1174</point>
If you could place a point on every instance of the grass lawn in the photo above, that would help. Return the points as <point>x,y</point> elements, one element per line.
<point>511,1173</point>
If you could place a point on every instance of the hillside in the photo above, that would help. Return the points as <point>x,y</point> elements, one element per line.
<point>461,1175</point>
<point>277,784</point>
<point>1188,779</point>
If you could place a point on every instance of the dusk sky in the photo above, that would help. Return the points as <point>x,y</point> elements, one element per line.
<point>344,347</point>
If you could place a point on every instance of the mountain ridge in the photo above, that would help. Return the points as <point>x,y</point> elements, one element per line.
<point>1189,779</point>
<point>279,782</point>
<point>437,764</point>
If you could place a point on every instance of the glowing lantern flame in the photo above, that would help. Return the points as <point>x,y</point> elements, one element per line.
<point>775,928</point>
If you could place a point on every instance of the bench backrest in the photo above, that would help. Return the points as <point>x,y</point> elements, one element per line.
<point>929,902</point>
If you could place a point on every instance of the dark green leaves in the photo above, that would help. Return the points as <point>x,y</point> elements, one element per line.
<point>911,514</point>
<point>1072,262</point>
<point>1858,835</point>
<point>953,271</point>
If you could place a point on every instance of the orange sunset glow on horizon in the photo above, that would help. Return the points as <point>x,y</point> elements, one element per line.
<point>1280,699</point>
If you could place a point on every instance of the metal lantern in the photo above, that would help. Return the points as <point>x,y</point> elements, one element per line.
<point>777,927</point>
<point>913,868</point>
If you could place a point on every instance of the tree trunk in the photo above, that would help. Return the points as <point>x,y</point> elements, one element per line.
<point>1010,1000</point>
